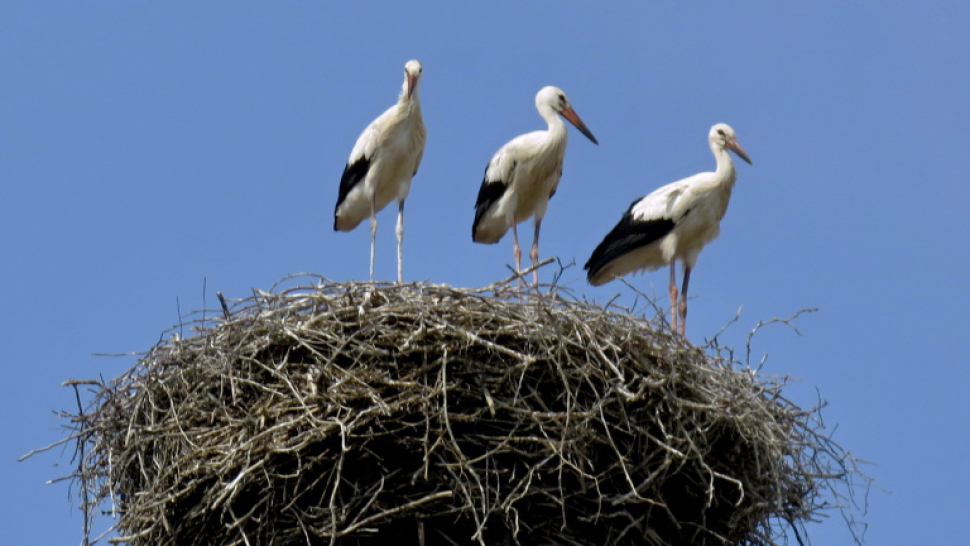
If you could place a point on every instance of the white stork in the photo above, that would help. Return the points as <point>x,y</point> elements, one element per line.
<point>380,167</point>
<point>523,175</point>
<point>672,223</point>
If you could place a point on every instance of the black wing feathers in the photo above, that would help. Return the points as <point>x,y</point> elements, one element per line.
<point>628,235</point>
<point>354,174</point>
<point>488,195</point>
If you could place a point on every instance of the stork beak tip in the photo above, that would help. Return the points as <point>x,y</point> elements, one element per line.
<point>411,83</point>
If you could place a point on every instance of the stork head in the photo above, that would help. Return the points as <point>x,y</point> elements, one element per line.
<point>553,98</point>
<point>722,138</point>
<point>412,77</point>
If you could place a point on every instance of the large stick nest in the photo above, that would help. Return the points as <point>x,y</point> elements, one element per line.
<point>427,415</point>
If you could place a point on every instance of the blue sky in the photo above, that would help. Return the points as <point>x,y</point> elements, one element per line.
<point>151,149</point>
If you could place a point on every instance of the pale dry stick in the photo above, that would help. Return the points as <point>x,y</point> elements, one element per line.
<point>669,448</point>
<point>635,493</point>
<point>424,443</point>
<point>443,379</point>
<point>634,524</point>
<point>606,360</point>
<point>128,539</point>
<point>712,342</point>
<point>525,483</point>
<point>619,456</point>
<point>651,300</point>
<point>514,276</point>
<point>337,477</point>
<point>762,323</point>
<point>239,521</point>
<point>85,500</point>
<point>373,497</point>
<point>397,509</point>
<point>72,437</point>
<point>231,489</point>
<point>493,346</point>
<point>570,405</point>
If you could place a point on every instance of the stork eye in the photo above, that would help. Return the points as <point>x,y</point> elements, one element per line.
<point>721,132</point>
<point>562,99</point>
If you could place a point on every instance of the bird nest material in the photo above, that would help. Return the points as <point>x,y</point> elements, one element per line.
<point>416,414</point>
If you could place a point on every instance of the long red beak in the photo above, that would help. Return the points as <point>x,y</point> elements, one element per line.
<point>411,82</point>
<point>735,146</point>
<point>573,118</point>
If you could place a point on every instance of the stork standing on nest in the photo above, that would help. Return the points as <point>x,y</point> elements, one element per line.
<point>672,223</point>
<point>523,175</point>
<point>386,156</point>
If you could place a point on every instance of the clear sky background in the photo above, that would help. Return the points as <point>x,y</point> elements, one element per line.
<point>151,149</point>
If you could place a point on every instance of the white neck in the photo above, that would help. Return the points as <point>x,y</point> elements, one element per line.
<point>557,128</point>
<point>725,172</point>
<point>414,102</point>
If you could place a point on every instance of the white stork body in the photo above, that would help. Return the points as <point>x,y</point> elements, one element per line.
<point>384,159</point>
<point>524,174</point>
<point>673,223</point>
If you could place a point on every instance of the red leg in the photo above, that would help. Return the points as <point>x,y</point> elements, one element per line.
<point>400,240</point>
<point>535,255</point>
<point>373,233</point>
<point>516,251</point>
<point>673,296</point>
